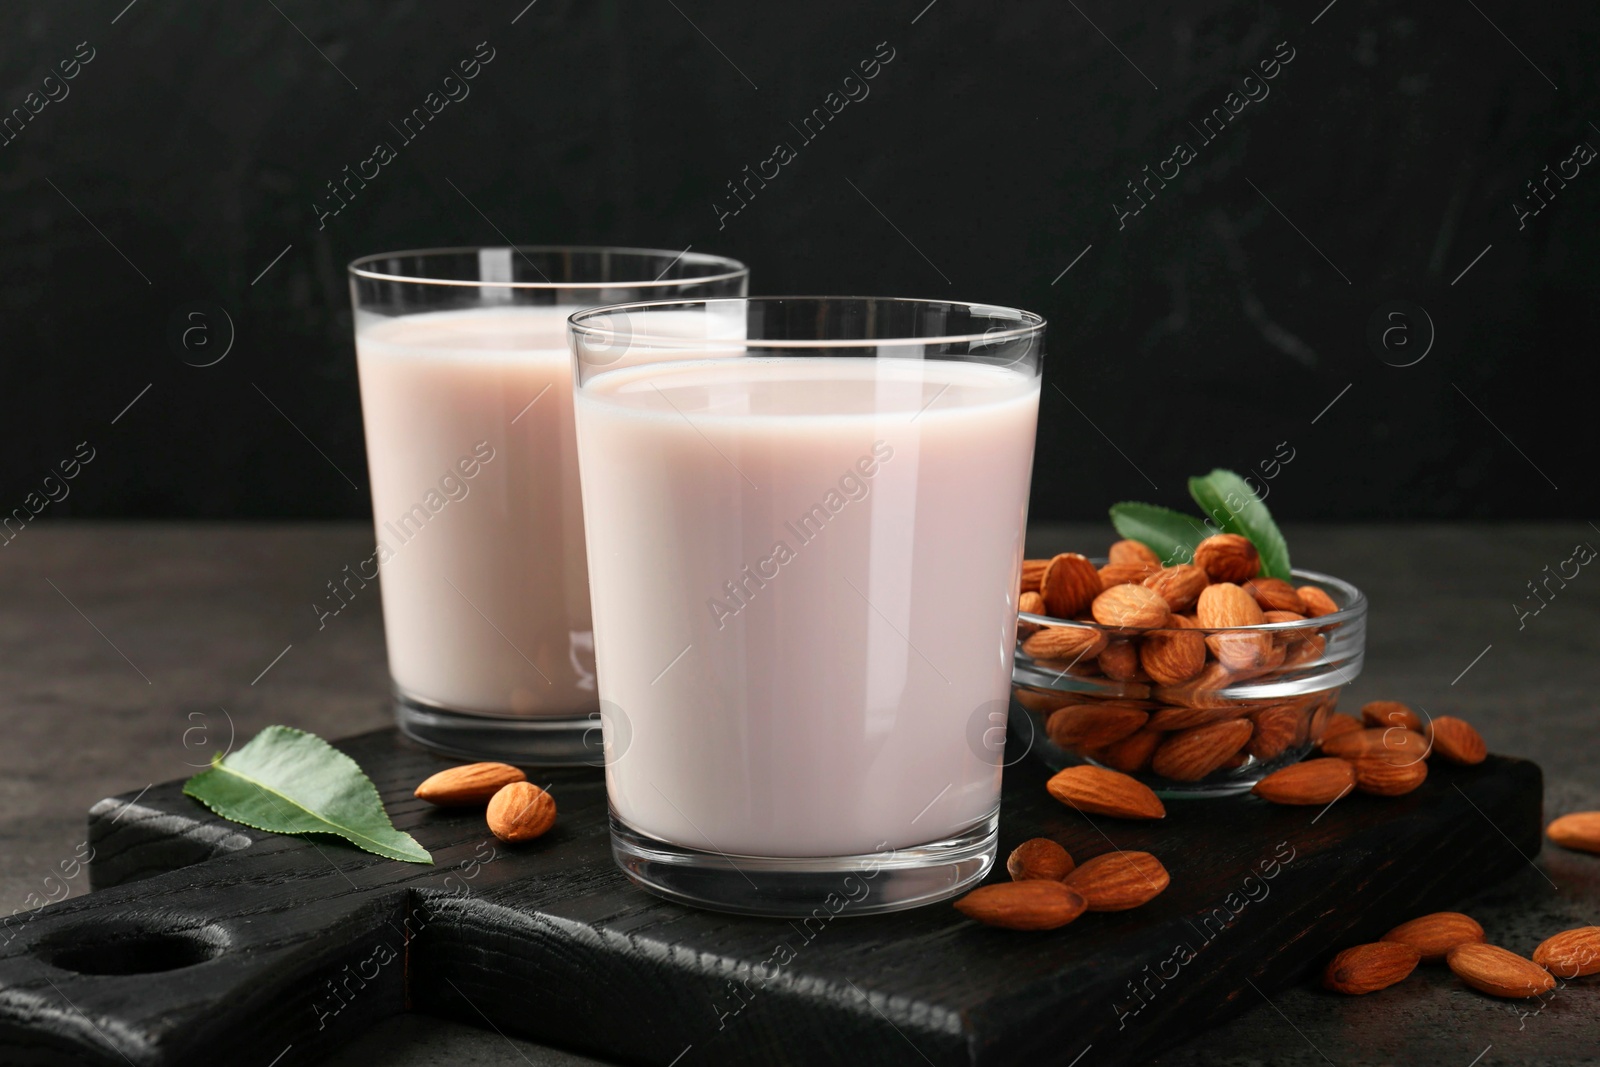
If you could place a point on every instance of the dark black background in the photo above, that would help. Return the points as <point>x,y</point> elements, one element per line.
<point>1204,333</point>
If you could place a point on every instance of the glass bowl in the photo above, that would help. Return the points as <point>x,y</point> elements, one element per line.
<point>1209,723</point>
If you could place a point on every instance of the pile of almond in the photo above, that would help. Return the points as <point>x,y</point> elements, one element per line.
<point>1458,941</point>
<point>517,810</point>
<point>1048,890</point>
<point>1147,629</point>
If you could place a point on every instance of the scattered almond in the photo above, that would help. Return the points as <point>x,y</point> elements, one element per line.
<point>1386,778</point>
<point>1369,968</point>
<point>1130,607</point>
<point>1571,953</point>
<point>1579,830</point>
<point>1393,743</point>
<point>521,811</point>
<point>1118,881</point>
<point>1456,741</point>
<point>1031,905</point>
<point>1179,585</point>
<point>1339,723</point>
<point>1039,858</point>
<point>1190,755</point>
<point>1228,558</point>
<point>1093,725</point>
<point>469,784</point>
<point>1133,552</point>
<point>1390,713</point>
<point>1069,584</point>
<point>1498,972</point>
<point>1098,791</point>
<point>1435,935</point>
<point>1313,781</point>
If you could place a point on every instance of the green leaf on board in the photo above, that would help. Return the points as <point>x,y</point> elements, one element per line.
<point>1170,534</point>
<point>1230,503</point>
<point>291,782</point>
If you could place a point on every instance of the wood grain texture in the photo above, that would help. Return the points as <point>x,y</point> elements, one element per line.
<point>288,946</point>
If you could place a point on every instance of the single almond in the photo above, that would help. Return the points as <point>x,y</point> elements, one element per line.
<point>1204,690</point>
<point>1279,727</point>
<point>1032,572</point>
<point>1133,552</point>
<point>1394,743</point>
<point>1228,558</point>
<point>1132,607</point>
<point>1132,754</point>
<point>1435,935</point>
<point>1339,723</point>
<point>521,811</point>
<point>1369,968</point>
<point>1171,657</point>
<point>1098,791</point>
<point>1190,755</point>
<point>1030,604</point>
<point>1275,594</point>
<point>1031,905</point>
<point>1311,782</point>
<point>1117,881</point>
<point>1579,830</point>
<point>1113,574</point>
<point>1571,953</point>
<point>1307,649</point>
<point>1065,642</point>
<point>1172,719</point>
<point>1317,602</point>
<point>1069,585</point>
<point>1043,701</point>
<point>1387,778</point>
<point>1082,726</point>
<point>1498,972</point>
<point>1178,585</point>
<point>1039,858</point>
<point>1274,615</point>
<point>1119,661</point>
<point>1456,741</point>
<point>469,784</point>
<point>1225,605</point>
<point>1388,713</point>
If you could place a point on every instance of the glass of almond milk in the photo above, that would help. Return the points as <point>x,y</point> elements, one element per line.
<point>805,522</point>
<point>466,394</point>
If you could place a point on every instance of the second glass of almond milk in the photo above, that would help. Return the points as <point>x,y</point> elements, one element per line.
<point>466,395</point>
<point>805,524</point>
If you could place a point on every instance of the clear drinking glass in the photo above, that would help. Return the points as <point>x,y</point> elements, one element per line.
<point>466,392</point>
<point>805,517</point>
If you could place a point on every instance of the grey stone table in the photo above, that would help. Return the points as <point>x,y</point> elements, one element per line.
<point>134,650</point>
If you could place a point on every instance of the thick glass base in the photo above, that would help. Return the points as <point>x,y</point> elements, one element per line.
<point>820,887</point>
<point>523,742</point>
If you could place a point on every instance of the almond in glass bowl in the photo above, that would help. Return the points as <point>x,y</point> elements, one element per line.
<point>1195,685</point>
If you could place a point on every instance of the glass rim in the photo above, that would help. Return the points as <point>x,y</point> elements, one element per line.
<point>1033,324</point>
<point>1355,608</point>
<point>732,268</point>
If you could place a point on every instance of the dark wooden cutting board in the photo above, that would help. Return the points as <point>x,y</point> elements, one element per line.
<point>207,942</point>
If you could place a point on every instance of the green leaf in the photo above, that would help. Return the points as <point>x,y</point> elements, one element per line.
<point>291,782</point>
<point>1170,534</point>
<point>1230,502</point>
